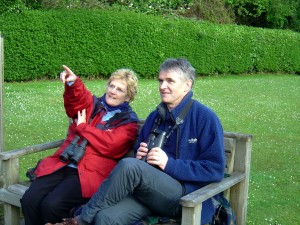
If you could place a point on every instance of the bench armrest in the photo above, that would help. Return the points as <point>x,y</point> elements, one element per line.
<point>199,196</point>
<point>31,149</point>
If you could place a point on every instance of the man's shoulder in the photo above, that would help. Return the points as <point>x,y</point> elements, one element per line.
<point>152,115</point>
<point>198,106</point>
<point>200,110</point>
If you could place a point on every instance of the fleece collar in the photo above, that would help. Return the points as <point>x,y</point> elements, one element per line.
<point>163,109</point>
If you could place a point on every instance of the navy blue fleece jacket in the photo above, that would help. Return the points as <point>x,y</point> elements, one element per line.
<point>200,159</point>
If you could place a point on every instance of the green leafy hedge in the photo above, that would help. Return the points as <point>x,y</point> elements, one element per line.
<point>94,43</point>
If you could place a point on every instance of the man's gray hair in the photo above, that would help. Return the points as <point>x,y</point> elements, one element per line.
<point>180,65</point>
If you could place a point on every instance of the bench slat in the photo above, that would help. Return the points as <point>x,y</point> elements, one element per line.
<point>9,197</point>
<point>18,189</point>
<point>31,149</point>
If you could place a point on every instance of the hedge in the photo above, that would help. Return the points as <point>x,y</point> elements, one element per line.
<point>94,43</point>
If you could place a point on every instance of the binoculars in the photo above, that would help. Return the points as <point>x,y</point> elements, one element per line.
<point>156,139</point>
<point>73,151</point>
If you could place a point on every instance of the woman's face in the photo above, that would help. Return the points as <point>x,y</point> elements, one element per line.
<point>116,92</point>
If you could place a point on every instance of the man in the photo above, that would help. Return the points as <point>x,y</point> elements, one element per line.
<point>191,156</point>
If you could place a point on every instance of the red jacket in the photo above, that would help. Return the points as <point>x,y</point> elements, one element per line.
<point>105,147</point>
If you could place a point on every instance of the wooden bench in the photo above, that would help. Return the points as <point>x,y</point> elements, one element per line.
<point>238,153</point>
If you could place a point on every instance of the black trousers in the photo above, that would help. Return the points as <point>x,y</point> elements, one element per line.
<point>50,198</point>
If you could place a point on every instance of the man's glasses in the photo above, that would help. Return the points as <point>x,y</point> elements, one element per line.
<point>119,90</point>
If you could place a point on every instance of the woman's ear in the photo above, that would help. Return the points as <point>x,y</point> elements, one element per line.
<point>127,99</point>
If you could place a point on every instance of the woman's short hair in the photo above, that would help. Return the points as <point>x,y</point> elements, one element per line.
<point>129,77</point>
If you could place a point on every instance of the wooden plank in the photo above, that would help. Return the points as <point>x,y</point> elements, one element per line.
<point>238,136</point>
<point>10,170</point>
<point>31,149</point>
<point>229,145</point>
<point>12,215</point>
<point>10,198</point>
<point>202,194</point>
<point>40,147</point>
<point>1,95</point>
<point>1,101</point>
<point>18,189</point>
<point>191,216</point>
<point>11,212</point>
<point>239,193</point>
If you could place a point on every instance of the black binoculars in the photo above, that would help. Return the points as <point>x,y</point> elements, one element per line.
<point>73,151</point>
<point>156,139</point>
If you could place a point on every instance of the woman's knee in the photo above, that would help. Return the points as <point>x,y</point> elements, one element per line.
<point>50,206</point>
<point>30,199</point>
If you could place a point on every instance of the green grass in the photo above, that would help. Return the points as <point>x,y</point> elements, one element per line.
<point>267,106</point>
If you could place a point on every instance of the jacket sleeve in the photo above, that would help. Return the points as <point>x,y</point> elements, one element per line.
<point>113,143</point>
<point>77,98</point>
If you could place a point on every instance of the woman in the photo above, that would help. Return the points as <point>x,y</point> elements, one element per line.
<point>105,128</point>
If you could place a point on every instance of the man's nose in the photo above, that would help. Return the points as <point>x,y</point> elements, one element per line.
<point>163,85</point>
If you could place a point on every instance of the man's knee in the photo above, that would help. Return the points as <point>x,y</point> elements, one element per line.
<point>104,218</point>
<point>129,164</point>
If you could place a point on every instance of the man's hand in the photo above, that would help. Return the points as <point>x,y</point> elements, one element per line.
<point>158,157</point>
<point>81,117</point>
<point>67,75</point>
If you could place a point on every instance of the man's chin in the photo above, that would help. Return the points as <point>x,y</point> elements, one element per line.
<point>166,102</point>
<point>164,98</point>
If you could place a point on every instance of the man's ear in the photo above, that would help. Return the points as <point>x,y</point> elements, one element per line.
<point>188,85</point>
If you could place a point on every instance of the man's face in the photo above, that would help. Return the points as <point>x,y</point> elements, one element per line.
<point>172,88</point>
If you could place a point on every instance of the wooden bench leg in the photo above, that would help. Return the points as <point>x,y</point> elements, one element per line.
<point>191,215</point>
<point>11,215</point>
<point>239,192</point>
<point>238,200</point>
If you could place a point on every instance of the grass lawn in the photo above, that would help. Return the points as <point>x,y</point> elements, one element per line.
<point>267,106</point>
